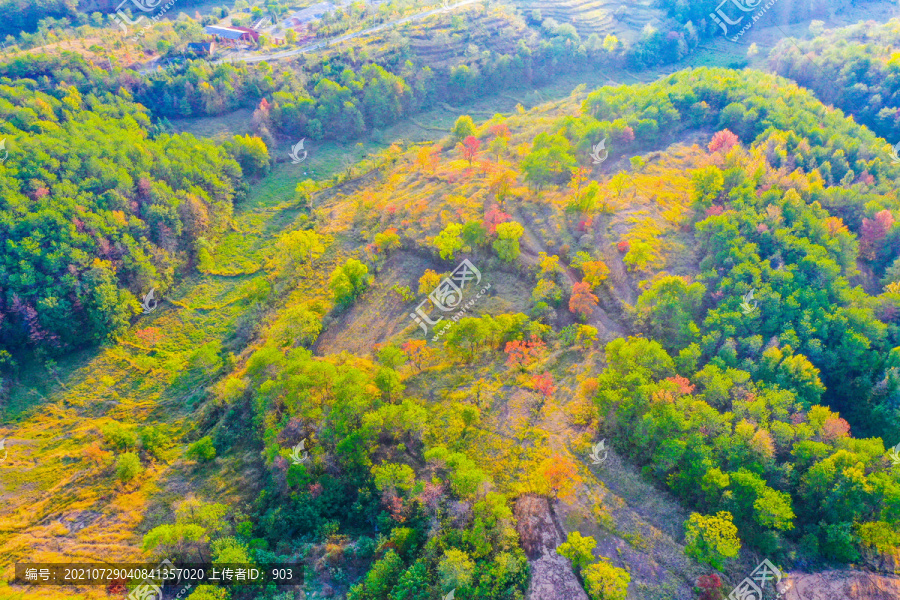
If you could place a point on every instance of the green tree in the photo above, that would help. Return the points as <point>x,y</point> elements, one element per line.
<point>188,538</point>
<point>229,550</point>
<point>668,309</point>
<point>349,281</point>
<point>303,193</point>
<point>251,153</point>
<point>466,336</point>
<point>393,477</point>
<point>463,128</point>
<point>388,381</point>
<point>449,241</point>
<point>455,570</point>
<point>379,580</point>
<point>578,549</point>
<point>202,450</point>
<point>507,243</point>
<point>550,160</point>
<point>153,440</point>
<point>474,234</point>
<point>118,436</point>
<point>708,184</point>
<point>128,466</point>
<point>712,539</point>
<point>303,246</point>
<point>413,584</point>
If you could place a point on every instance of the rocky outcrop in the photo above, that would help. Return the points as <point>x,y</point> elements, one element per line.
<point>552,577</point>
<point>843,585</point>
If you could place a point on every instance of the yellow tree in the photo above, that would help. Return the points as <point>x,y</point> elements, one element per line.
<point>579,176</point>
<point>301,246</point>
<point>427,159</point>
<point>595,273</point>
<point>500,184</point>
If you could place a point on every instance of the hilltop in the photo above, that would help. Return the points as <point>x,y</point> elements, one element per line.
<point>618,277</point>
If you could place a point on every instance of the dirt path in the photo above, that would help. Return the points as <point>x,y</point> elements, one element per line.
<point>531,246</point>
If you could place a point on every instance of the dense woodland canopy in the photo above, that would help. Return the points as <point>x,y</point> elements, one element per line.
<point>855,68</point>
<point>94,212</point>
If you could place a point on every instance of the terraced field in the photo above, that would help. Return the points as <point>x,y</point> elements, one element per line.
<point>603,17</point>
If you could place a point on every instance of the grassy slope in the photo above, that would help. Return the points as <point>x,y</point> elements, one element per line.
<point>150,375</point>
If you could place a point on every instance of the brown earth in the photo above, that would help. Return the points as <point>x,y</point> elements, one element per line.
<point>843,585</point>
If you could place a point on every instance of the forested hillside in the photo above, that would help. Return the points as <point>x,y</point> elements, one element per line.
<point>347,92</point>
<point>95,212</point>
<point>631,343</point>
<point>855,68</point>
<point>733,409</point>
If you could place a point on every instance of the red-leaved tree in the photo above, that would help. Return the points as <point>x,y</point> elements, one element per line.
<point>873,231</point>
<point>543,383</point>
<point>469,148</point>
<point>494,217</point>
<point>520,354</point>
<point>723,140</point>
<point>582,301</point>
<point>835,428</point>
<point>710,587</point>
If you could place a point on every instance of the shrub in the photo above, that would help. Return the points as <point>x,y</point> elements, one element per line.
<point>118,436</point>
<point>606,582</point>
<point>349,281</point>
<point>152,440</point>
<point>128,466</point>
<point>202,450</point>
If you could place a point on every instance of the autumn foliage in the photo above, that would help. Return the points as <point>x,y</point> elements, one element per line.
<point>582,301</point>
<point>723,140</point>
<point>417,352</point>
<point>560,475</point>
<point>469,148</point>
<point>495,217</point>
<point>520,353</point>
<point>874,231</point>
<point>543,384</point>
<point>710,587</point>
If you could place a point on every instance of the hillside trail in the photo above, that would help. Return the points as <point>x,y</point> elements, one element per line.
<point>640,526</point>
<point>607,328</point>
